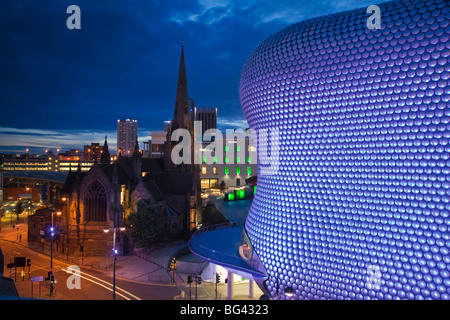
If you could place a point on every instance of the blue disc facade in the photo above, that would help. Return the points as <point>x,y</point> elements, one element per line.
<point>359,205</point>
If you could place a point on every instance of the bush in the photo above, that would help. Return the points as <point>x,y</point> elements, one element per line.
<point>212,216</point>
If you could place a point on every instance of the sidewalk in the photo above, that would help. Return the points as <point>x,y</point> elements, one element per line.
<point>142,266</point>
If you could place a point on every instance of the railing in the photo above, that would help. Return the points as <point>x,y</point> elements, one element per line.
<point>214,227</point>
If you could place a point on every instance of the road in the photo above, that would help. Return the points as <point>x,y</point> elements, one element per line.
<point>94,285</point>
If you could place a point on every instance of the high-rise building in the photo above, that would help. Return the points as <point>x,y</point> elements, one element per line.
<point>126,136</point>
<point>208,117</point>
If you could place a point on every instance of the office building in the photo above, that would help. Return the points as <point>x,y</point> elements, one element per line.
<point>207,116</point>
<point>233,167</point>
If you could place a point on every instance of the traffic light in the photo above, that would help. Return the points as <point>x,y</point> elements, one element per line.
<point>52,279</point>
<point>199,280</point>
<point>189,279</point>
<point>172,264</point>
<point>217,278</point>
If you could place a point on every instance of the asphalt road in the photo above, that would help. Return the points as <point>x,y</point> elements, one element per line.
<point>93,285</point>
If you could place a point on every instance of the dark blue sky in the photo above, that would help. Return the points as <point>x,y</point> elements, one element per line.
<point>62,88</point>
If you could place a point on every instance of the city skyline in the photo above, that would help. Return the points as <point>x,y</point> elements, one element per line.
<point>66,88</point>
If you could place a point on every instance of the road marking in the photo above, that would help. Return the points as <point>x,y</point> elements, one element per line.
<point>85,274</point>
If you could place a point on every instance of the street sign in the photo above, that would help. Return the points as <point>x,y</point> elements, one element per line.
<point>42,232</point>
<point>20,261</point>
<point>37,279</point>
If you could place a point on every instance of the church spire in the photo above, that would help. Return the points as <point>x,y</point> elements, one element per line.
<point>105,157</point>
<point>181,116</point>
<point>136,152</point>
<point>181,120</point>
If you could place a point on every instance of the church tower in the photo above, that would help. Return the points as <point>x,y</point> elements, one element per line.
<point>181,120</point>
<point>105,157</point>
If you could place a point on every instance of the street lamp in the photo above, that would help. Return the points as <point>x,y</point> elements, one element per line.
<point>66,201</point>
<point>106,230</point>
<point>52,231</point>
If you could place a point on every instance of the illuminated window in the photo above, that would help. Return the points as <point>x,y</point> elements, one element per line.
<point>215,159</point>
<point>227,170</point>
<point>204,159</point>
<point>238,170</point>
<point>227,159</point>
<point>214,170</point>
<point>238,148</point>
<point>227,148</point>
<point>249,159</point>
<point>249,170</point>
<point>203,170</point>
<point>204,183</point>
<point>238,159</point>
<point>213,183</point>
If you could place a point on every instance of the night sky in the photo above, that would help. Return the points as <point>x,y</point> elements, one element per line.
<point>62,88</point>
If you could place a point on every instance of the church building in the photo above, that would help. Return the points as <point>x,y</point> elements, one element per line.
<point>106,195</point>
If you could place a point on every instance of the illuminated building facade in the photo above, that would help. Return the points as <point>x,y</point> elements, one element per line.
<point>359,205</point>
<point>233,168</point>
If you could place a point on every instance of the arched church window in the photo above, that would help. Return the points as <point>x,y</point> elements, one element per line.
<point>95,203</point>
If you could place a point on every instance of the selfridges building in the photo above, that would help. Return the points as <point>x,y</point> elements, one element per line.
<point>357,205</point>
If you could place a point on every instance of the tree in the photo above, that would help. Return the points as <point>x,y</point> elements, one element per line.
<point>145,224</point>
<point>19,209</point>
<point>211,215</point>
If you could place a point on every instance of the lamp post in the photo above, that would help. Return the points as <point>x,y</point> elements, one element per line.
<point>114,250</point>
<point>66,200</point>
<point>52,230</point>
